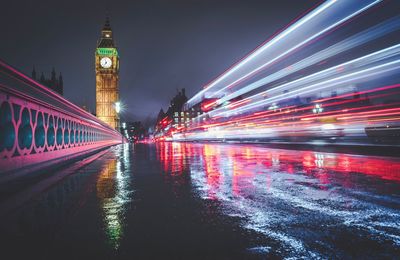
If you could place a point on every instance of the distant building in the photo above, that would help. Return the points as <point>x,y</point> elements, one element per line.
<point>177,102</point>
<point>176,116</point>
<point>134,131</point>
<point>180,119</point>
<point>161,115</point>
<point>53,83</point>
<point>86,108</point>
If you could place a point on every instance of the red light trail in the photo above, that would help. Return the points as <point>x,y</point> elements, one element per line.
<point>293,88</point>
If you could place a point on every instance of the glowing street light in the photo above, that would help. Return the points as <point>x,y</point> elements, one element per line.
<point>117,107</point>
<point>118,110</point>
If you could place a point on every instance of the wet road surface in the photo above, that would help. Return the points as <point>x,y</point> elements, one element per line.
<point>209,201</point>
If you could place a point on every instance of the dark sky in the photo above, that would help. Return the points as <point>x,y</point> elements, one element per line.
<point>163,44</point>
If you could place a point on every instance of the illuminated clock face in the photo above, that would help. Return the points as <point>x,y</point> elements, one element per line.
<point>106,62</point>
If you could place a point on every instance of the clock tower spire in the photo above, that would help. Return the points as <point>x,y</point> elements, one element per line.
<point>107,76</point>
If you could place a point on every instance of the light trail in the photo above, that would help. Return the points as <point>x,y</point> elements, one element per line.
<point>359,62</point>
<point>343,90</point>
<point>348,78</point>
<point>303,43</point>
<point>331,13</point>
<point>345,45</point>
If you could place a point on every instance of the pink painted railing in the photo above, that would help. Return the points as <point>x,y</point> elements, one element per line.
<point>39,128</point>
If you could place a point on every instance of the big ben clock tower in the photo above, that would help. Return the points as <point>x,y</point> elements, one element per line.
<point>107,68</point>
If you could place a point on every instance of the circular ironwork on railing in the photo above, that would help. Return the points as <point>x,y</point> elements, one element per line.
<point>25,130</point>
<point>50,132</point>
<point>7,129</point>
<point>59,133</point>
<point>39,131</point>
<point>38,125</point>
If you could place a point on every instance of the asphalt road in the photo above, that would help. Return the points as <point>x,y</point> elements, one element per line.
<point>208,201</point>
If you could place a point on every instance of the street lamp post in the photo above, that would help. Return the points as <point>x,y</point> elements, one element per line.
<point>118,110</point>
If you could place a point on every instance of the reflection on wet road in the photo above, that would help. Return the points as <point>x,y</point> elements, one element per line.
<point>312,204</point>
<point>114,194</point>
<point>190,200</point>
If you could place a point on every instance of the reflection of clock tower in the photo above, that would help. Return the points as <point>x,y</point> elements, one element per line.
<point>107,67</point>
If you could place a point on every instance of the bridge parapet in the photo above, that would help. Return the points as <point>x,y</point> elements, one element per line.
<point>38,127</point>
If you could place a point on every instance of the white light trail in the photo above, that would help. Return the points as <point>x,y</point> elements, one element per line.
<point>359,62</point>
<point>331,51</point>
<point>347,78</point>
<point>292,49</point>
<point>312,19</point>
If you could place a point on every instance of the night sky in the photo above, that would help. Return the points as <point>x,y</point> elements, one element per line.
<point>163,44</point>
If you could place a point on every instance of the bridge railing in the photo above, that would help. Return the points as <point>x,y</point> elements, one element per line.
<point>38,127</point>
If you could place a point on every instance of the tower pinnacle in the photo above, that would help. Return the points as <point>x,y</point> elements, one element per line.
<point>107,26</point>
<point>106,40</point>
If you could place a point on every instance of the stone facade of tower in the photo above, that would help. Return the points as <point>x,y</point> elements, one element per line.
<point>107,69</point>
